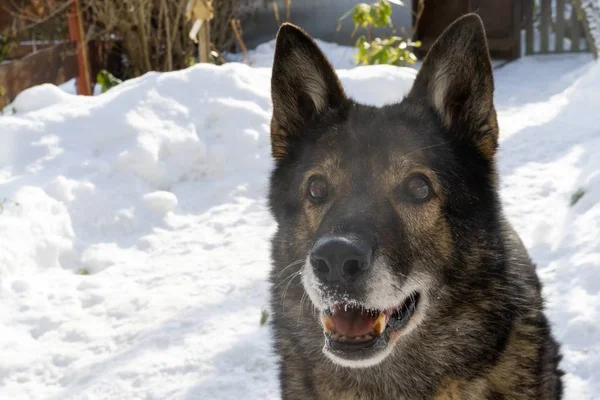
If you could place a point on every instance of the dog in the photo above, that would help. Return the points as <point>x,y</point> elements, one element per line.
<point>395,273</point>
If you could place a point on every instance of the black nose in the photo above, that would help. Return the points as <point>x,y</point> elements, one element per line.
<point>341,258</point>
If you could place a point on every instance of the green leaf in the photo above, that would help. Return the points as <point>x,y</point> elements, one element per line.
<point>361,15</point>
<point>392,50</point>
<point>106,80</point>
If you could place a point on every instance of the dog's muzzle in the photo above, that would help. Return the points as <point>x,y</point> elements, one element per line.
<point>342,268</point>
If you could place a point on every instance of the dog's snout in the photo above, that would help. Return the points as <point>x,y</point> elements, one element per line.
<point>341,259</point>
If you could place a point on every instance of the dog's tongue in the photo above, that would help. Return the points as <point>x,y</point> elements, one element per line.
<point>352,322</point>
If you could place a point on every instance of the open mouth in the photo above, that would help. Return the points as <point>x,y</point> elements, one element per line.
<point>353,332</point>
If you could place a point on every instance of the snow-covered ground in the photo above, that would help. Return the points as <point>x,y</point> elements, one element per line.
<point>134,231</point>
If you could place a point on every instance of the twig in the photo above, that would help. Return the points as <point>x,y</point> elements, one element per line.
<point>176,21</point>
<point>168,44</point>
<point>19,11</point>
<point>161,31</point>
<point>237,30</point>
<point>143,37</point>
<point>276,13</point>
<point>288,11</point>
<point>419,14</point>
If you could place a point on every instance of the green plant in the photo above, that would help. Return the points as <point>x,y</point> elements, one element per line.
<point>394,50</point>
<point>190,61</point>
<point>83,271</point>
<point>106,80</point>
<point>264,316</point>
<point>6,45</point>
<point>575,197</point>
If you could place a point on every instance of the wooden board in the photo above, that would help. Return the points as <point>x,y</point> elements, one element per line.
<point>502,19</point>
<point>55,65</point>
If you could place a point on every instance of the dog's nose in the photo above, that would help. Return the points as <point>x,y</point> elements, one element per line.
<point>341,258</point>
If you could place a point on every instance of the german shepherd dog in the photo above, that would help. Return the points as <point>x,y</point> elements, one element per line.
<point>396,274</point>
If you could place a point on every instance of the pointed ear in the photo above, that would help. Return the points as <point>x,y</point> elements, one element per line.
<point>303,85</point>
<point>456,80</point>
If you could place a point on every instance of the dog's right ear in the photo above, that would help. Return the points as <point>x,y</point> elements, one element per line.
<point>303,85</point>
<point>456,80</point>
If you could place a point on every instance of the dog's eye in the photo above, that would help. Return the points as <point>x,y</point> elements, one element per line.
<point>318,189</point>
<point>417,188</point>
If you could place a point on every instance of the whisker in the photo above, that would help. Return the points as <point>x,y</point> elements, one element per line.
<point>292,264</point>
<point>290,276</point>
<point>301,310</point>
<point>299,273</point>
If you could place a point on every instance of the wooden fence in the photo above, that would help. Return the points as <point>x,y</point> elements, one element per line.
<point>56,64</point>
<point>556,26</point>
<point>502,19</point>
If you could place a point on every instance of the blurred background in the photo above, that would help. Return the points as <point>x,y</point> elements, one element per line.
<point>54,41</point>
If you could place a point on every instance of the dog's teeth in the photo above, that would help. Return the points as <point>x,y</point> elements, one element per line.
<point>379,325</point>
<point>343,338</point>
<point>368,337</point>
<point>328,324</point>
<point>335,336</point>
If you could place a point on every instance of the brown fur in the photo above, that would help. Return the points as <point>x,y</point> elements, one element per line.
<point>316,91</point>
<point>459,85</point>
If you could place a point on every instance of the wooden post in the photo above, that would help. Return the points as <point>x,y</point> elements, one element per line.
<point>77,34</point>
<point>560,26</point>
<point>529,49</point>
<point>201,11</point>
<point>204,42</point>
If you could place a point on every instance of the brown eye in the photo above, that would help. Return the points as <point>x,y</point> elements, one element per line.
<point>318,189</point>
<point>417,188</point>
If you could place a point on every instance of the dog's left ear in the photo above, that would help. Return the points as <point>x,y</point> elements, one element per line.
<point>303,85</point>
<point>456,80</point>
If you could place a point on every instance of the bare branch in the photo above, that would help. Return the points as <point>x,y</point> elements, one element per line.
<point>237,30</point>
<point>22,12</point>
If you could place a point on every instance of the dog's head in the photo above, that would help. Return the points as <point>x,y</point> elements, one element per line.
<point>381,204</point>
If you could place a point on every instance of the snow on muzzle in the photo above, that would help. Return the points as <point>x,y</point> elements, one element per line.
<point>351,327</point>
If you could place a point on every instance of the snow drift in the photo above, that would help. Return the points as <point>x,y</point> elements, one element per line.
<point>134,232</point>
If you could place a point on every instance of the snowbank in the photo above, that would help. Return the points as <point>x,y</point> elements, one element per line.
<point>134,249</point>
